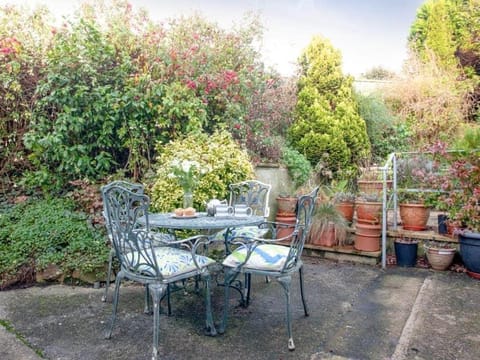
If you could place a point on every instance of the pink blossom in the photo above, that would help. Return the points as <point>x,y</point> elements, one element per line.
<point>191,84</point>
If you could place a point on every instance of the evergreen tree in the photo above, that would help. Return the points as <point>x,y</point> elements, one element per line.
<point>327,127</point>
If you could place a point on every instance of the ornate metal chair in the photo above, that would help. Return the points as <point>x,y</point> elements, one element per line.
<point>268,257</point>
<point>253,194</point>
<point>152,263</point>
<point>136,188</point>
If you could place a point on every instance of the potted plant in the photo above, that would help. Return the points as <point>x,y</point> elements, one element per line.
<point>369,208</point>
<point>461,182</point>
<point>329,227</point>
<point>414,210</point>
<point>371,181</point>
<point>299,170</point>
<point>439,254</point>
<point>416,177</point>
<point>343,198</point>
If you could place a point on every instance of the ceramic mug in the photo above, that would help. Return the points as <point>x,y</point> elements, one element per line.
<point>242,210</point>
<point>224,210</point>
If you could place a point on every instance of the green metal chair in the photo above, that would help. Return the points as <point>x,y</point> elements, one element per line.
<point>272,258</point>
<point>253,194</point>
<point>136,188</point>
<point>149,262</point>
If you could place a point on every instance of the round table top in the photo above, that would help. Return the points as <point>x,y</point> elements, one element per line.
<point>201,221</point>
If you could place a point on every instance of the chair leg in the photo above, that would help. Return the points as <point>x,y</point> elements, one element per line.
<point>209,325</point>
<point>302,293</point>
<point>147,309</point>
<point>248,287</point>
<point>109,274</point>
<point>230,276</point>
<point>108,333</point>
<point>285,282</point>
<point>157,291</point>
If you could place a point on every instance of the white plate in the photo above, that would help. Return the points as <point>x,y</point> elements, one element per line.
<point>184,216</point>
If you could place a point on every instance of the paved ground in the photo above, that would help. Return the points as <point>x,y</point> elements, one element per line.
<point>357,312</point>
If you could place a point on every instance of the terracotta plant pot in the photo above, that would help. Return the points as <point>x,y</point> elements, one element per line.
<point>369,212</point>
<point>347,209</point>
<point>366,242</point>
<point>286,206</point>
<point>325,238</point>
<point>285,231</point>
<point>372,186</point>
<point>414,216</point>
<point>440,259</point>
<point>368,229</point>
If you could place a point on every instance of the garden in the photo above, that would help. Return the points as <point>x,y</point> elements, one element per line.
<point>110,94</point>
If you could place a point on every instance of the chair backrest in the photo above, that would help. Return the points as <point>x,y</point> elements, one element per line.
<point>252,193</point>
<point>133,187</point>
<point>132,245</point>
<point>305,209</point>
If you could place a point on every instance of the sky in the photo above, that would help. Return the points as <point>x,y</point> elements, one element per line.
<point>368,33</point>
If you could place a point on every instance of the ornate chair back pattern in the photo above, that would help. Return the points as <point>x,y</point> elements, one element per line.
<point>252,193</point>
<point>135,188</point>
<point>132,245</point>
<point>305,209</point>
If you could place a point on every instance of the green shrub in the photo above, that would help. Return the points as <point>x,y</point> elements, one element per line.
<point>327,126</point>
<point>42,232</point>
<point>299,168</point>
<point>218,154</point>
<point>385,132</point>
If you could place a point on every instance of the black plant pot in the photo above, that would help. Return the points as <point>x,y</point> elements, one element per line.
<point>470,251</point>
<point>406,254</point>
<point>442,224</point>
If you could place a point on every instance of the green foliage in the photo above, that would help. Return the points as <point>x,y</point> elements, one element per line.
<point>219,153</point>
<point>110,84</point>
<point>385,132</point>
<point>298,166</point>
<point>449,28</point>
<point>75,132</point>
<point>42,232</point>
<point>378,73</point>
<point>327,127</point>
<point>21,54</point>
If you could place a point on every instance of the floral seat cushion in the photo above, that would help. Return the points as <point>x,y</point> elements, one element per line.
<point>268,257</point>
<point>244,231</point>
<point>171,261</point>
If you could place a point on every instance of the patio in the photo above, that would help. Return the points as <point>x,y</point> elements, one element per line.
<point>357,312</point>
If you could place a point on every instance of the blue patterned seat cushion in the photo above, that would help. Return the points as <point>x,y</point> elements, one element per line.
<point>264,257</point>
<point>244,231</point>
<point>171,261</point>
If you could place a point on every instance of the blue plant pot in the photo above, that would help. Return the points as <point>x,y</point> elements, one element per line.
<point>406,254</point>
<point>470,250</point>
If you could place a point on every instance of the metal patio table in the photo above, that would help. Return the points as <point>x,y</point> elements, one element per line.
<point>202,221</point>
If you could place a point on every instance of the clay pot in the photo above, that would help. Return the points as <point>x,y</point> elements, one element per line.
<point>369,212</point>
<point>347,209</point>
<point>440,259</point>
<point>372,186</point>
<point>286,206</point>
<point>414,216</point>
<point>326,238</point>
<point>366,242</point>
<point>368,229</point>
<point>285,231</point>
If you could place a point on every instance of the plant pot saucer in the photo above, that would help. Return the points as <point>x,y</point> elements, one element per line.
<point>415,228</point>
<point>473,274</point>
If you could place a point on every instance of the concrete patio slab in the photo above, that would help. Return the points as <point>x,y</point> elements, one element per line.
<point>356,312</point>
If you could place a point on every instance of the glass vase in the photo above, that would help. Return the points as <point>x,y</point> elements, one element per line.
<point>187,199</point>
